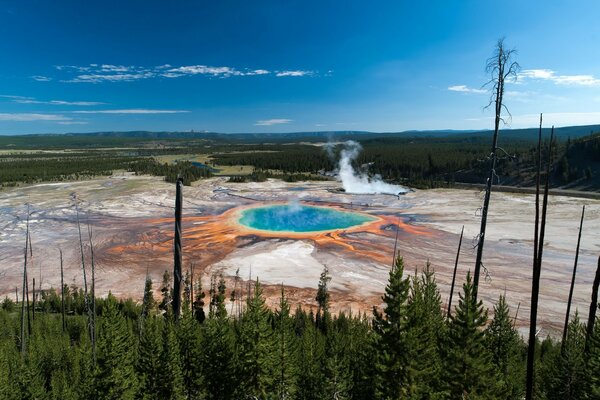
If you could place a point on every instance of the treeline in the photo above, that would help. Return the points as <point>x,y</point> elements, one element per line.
<point>235,347</point>
<point>261,176</point>
<point>16,169</point>
<point>418,162</point>
<point>182,169</point>
<point>55,167</point>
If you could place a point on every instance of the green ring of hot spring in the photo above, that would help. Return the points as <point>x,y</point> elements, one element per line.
<point>300,218</point>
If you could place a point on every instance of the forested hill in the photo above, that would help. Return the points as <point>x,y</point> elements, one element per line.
<point>527,134</point>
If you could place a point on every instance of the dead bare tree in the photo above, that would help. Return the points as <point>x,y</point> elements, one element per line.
<point>537,267</point>
<point>85,286</point>
<point>593,308</point>
<point>462,231</point>
<point>501,67</point>
<point>177,252</point>
<point>62,292</point>
<point>93,294</point>
<point>566,327</point>
<point>23,340</point>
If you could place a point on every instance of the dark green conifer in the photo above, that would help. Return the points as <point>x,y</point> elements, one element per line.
<point>393,379</point>
<point>115,376</point>
<point>170,378</point>
<point>469,369</point>
<point>507,353</point>
<point>258,345</point>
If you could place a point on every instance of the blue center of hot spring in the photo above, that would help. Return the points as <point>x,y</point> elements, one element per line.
<point>300,218</point>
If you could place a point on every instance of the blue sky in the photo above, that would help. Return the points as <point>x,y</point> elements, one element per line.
<point>280,66</point>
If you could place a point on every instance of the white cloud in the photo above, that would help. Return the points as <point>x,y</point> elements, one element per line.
<point>97,78</point>
<point>130,111</point>
<point>550,75</point>
<point>41,78</point>
<point>59,102</point>
<point>72,122</point>
<point>26,117</point>
<point>96,73</point>
<point>465,89</point>
<point>274,121</point>
<point>293,73</point>
<point>205,70</point>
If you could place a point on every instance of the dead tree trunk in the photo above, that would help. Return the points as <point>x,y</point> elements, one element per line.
<point>33,301</point>
<point>566,328</point>
<point>501,67</point>
<point>62,293</point>
<point>454,274</point>
<point>23,340</point>
<point>177,252</point>
<point>85,286</point>
<point>593,308</point>
<point>93,295</point>
<point>535,286</point>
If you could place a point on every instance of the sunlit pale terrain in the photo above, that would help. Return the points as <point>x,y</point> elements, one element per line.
<point>131,218</point>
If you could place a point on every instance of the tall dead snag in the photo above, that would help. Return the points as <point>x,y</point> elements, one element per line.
<point>85,286</point>
<point>593,308</point>
<point>93,294</point>
<point>454,274</point>
<point>501,67</point>
<point>566,328</point>
<point>33,301</point>
<point>537,267</point>
<point>23,340</point>
<point>178,256</point>
<point>62,292</point>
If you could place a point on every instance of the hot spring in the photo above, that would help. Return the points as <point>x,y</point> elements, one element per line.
<point>300,218</point>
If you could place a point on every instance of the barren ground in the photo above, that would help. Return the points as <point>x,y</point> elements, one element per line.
<point>132,219</point>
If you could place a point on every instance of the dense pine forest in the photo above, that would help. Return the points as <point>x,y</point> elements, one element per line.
<point>228,345</point>
<point>421,162</point>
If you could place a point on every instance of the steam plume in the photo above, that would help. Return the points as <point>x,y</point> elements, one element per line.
<point>359,182</point>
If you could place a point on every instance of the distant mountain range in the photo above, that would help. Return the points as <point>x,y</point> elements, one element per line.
<point>526,134</point>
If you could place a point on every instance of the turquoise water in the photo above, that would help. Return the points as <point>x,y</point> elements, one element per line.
<point>300,218</point>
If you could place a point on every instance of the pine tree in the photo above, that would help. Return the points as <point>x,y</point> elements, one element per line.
<point>148,365</point>
<point>148,303</point>
<point>166,305</point>
<point>469,369</point>
<point>115,375</point>
<point>287,350</point>
<point>310,359</point>
<point>393,379</point>
<point>322,299</point>
<point>257,343</point>
<point>170,378</point>
<point>507,352</point>
<point>593,364</point>
<point>338,378</point>
<point>190,350</point>
<point>198,305</point>
<point>569,379</point>
<point>425,328</point>
<point>218,354</point>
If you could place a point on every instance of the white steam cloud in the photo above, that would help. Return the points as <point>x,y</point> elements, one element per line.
<point>359,182</point>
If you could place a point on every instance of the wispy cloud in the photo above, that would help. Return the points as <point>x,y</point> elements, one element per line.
<point>33,100</point>
<point>274,121</point>
<point>97,73</point>
<point>294,73</point>
<point>72,122</point>
<point>465,89</point>
<point>59,102</point>
<point>130,111</point>
<point>41,78</point>
<point>552,76</point>
<point>27,117</point>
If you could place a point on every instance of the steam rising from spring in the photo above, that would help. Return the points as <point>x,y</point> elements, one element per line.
<point>359,182</point>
